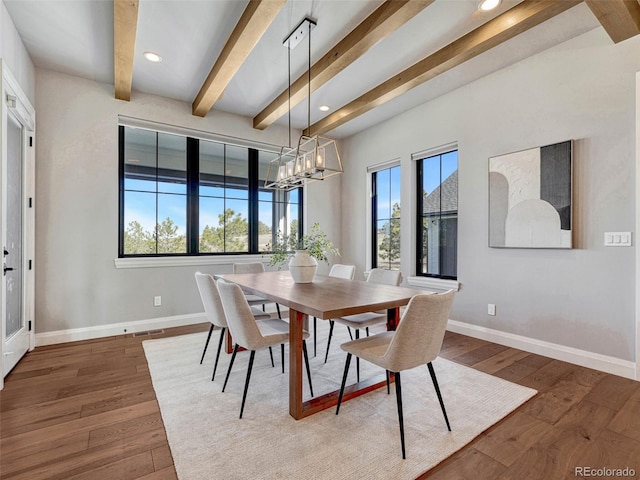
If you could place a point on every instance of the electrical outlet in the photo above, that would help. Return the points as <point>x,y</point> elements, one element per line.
<point>491,309</point>
<point>157,301</point>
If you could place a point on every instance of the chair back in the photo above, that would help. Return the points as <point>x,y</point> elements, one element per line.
<point>420,332</point>
<point>385,277</point>
<point>256,267</point>
<point>343,271</point>
<point>242,323</point>
<point>211,299</point>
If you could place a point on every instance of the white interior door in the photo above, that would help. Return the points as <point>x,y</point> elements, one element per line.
<point>15,333</point>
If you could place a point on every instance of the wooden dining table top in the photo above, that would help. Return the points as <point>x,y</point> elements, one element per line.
<point>325,297</point>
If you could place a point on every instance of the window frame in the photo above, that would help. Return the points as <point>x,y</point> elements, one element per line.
<point>373,216</point>
<point>420,157</point>
<point>193,199</point>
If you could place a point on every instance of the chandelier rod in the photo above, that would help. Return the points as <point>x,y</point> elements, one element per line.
<point>309,83</point>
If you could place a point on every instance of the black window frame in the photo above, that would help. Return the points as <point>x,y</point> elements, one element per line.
<point>254,186</point>
<point>374,215</point>
<point>420,218</point>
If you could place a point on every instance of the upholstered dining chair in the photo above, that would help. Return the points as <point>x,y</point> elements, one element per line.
<point>215,314</point>
<point>254,267</point>
<point>369,319</point>
<point>252,335</point>
<point>416,341</point>
<point>338,270</point>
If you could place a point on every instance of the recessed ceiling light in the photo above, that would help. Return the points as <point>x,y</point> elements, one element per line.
<point>325,108</point>
<point>486,5</point>
<point>152,56</point>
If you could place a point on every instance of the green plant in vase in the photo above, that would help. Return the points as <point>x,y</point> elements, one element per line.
<point>316,245</point>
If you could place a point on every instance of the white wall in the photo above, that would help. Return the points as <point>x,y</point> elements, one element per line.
<point>13,51</point>
<point>583,89</point>
<point>77,284</point>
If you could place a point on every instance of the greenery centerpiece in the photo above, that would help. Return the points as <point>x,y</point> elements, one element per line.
<point>288,248</point>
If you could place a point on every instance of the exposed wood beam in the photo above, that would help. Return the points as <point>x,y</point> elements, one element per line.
<point>125,22</point>
<point>387,18</point>
<point>252,24</point>
<point>620,18</point>
<point>520,18</point>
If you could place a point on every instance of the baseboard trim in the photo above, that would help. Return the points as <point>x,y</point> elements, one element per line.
<point>604,363</point>
<point>100,331</point>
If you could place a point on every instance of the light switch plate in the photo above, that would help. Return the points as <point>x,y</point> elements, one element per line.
<point>617,239</point>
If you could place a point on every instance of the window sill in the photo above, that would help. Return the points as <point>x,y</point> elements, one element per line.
<point>154,262</point>
<point>434,283</point>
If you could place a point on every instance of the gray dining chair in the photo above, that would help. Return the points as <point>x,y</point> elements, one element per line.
<point>215,314</point>
<point>416,341</point>
<point>252,335</point>
<point>338,270</point>
<point>369,319</point>
<point>254,267</point>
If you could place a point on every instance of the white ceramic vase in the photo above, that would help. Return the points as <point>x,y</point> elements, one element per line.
<point>302,267</point>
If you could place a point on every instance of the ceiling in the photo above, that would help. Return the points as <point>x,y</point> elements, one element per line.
<point>76,37</point>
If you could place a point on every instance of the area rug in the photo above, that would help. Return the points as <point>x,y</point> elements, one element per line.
<point>208,441</point>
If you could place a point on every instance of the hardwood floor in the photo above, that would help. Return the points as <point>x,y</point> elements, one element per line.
<point>88,410</point>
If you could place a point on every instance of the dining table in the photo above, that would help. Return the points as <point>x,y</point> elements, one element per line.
<point>324,298</point>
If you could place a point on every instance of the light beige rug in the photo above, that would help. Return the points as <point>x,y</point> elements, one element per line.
<point>208,441</point>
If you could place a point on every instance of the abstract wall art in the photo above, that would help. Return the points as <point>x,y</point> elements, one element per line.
<point>530,198</point>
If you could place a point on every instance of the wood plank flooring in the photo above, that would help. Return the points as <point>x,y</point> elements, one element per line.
<point>87,410</point>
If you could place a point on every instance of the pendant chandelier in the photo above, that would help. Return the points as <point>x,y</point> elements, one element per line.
<point>315,157</point>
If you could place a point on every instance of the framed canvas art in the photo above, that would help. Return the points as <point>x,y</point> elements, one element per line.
<point>530,198</point>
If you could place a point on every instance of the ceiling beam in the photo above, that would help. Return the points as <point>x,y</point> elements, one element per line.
<point>125,23</point>
<point>387,18</point>
<point>252,24</point>
<point>620,18</point>
<point>504,27</point>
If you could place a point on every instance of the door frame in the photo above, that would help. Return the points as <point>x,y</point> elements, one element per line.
<point>25,113</point>
<point>637,232</point>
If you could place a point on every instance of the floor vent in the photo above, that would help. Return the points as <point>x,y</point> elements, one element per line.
<point>148,332</point>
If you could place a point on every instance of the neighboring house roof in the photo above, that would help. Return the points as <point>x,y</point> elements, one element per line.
<point>449,196</point>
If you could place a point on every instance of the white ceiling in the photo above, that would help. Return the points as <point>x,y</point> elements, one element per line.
<point>76,37</point>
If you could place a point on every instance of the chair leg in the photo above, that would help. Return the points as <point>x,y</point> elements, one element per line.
<point>278,308</point>
<point>271,355</point>
<point>349,330</point>
<point>326,355</point>
<point>435,384</point>
<point>315,335</point>
<point>215,366</point>
<point>400,418</point>
<point>306,362</point>
<point>387,375</point>
<point>233,357</point>
<point>357,358</point>
<point>367,329</point>
<point>246,383</point>
<point>207,343</point>
<point>344,380</point>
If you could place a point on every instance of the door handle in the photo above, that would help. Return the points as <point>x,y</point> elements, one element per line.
<point>8,269</point>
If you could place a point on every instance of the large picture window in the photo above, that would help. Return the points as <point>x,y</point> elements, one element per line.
<point>386,218</point>
<point>437,242</point>
<point>186,196</point>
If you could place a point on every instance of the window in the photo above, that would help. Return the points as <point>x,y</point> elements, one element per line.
<point>185,196</point>
<point>437,242</point>
<point>386,218</point>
